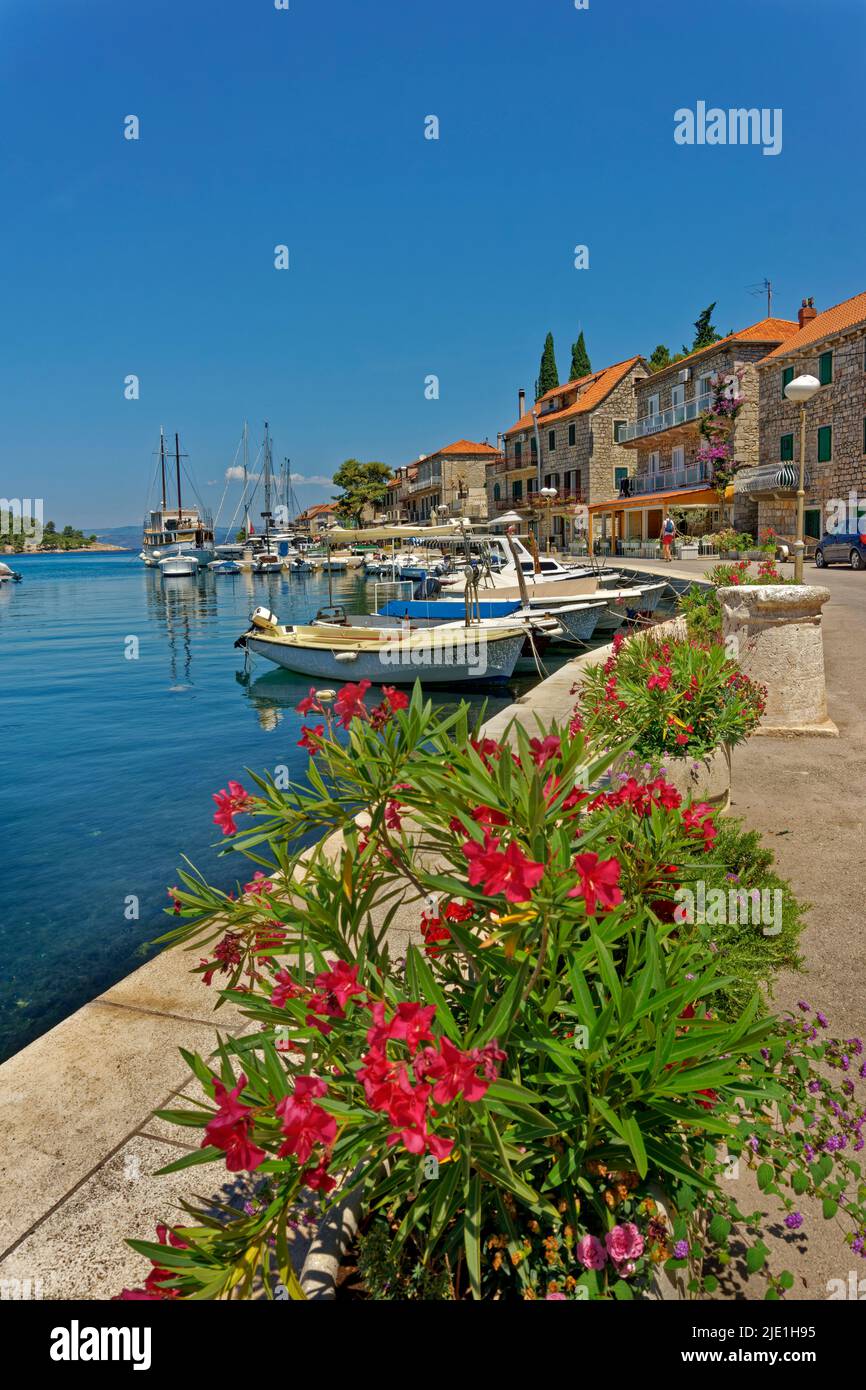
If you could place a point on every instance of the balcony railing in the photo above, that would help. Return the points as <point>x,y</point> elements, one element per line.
<point>685,414</point>
<point>424,484</point>
<point>532,501</point>
<point>666,479</point>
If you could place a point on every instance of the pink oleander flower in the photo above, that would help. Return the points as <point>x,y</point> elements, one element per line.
<point>599,880</point>
<point>507,871</point>
<point>229,804</point>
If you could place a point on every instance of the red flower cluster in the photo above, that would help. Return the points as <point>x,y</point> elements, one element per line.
<point>228,953</point>
<point>306,1124</point>
<point>698,821</point>
<point>433,929</point>
<point>440,1071</point>
<point>311,739</point>
<point>229,804</point>
<point>507,871</point>
<point>661,679</point>
<point>349,703</point>
<point>230,1127</point>
<point>543,749</point>
<point>392,701</point>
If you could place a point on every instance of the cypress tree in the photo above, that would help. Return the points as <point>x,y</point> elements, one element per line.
<point>580,363</point>
<point>548,376</point>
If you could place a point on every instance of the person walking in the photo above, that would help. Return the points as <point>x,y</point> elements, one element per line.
<point>669,531</point>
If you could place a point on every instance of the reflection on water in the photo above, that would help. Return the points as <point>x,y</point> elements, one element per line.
<point>113,749</point>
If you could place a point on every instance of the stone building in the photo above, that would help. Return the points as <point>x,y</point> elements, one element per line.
<point>568,441</point>
<point>664,442</point>
<point>830,346</point>
<point>452,478</point>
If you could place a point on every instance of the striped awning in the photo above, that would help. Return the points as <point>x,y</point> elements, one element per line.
<point>770,477</point>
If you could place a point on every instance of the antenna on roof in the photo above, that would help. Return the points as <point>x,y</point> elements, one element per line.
<point>764,287</point>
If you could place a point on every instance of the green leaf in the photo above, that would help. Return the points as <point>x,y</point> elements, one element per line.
<point>720,1228</point>
<point>766,1175</point>
<point>472,1235</point>
<point>829,1208</point>
<point>755,1258</point>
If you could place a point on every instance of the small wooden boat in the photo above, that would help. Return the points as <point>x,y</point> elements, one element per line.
<point>453,655</point>
<point>267,563</point>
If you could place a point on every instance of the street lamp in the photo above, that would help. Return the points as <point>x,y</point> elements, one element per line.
<point>800,391</point>
<point>548,493</point>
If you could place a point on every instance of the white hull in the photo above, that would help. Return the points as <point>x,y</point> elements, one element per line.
<point>434,658</point>
<point>178,567</point>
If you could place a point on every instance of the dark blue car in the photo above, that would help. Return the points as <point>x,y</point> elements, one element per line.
<point>841,548</point>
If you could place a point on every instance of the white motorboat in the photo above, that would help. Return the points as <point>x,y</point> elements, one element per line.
<point>7,575</point>
<point>386,654</point>
<point>178,566</point>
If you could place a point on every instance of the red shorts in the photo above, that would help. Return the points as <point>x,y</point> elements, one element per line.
<point>667,540</point>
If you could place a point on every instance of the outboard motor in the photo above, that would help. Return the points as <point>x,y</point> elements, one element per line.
<point>429,587</point>
<point>263,617</point>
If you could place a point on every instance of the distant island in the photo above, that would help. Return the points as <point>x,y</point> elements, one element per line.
<point>72,540</point>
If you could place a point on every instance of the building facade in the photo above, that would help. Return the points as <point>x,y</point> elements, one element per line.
<point>452,482</point>
<point>669,452</point>
<point>569,444</point>
<point>830,346</point>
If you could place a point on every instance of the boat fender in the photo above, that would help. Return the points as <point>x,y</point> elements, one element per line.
<point>263,617</point>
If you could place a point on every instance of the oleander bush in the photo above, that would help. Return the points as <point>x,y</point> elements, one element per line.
<point>669,697</point>
<point>538,1097</point>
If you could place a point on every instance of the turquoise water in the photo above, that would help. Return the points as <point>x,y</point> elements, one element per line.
<point>108,764</point>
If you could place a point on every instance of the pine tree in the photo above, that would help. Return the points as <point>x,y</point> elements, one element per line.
<point>580,363</point>
<point>705,331</point>
<point>548,376</point>
<point>661,358</point>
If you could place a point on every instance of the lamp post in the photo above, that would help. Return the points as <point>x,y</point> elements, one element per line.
<point>548,493</point>
<point>800,391</point>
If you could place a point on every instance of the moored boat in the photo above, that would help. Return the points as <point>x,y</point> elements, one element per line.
<point>178,566</point>
<point>175,530</point>
<point>386,655</point>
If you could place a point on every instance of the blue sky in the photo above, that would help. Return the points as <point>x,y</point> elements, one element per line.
<point>409,257</point>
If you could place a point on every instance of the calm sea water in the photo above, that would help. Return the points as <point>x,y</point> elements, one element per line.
<point>108,764</point>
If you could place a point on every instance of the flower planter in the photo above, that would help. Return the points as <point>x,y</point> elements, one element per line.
<point>689,552</point>
<point>775,633</point>
<point>696,779</point>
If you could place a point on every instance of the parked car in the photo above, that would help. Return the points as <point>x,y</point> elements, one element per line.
<point>841,548</point>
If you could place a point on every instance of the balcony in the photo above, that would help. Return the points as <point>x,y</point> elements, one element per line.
<point>425,484</point>
<point>678,421</point>
<point>532,502</point>
<point>668,479</point>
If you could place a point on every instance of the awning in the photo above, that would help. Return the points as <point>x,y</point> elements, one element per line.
<point>770,477</point>
<point>653,501</point>
<point>344,535</point>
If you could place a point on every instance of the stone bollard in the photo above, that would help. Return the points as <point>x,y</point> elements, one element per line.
<point>774,632</point>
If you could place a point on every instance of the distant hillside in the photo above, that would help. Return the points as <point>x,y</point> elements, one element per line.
<point>127,536</point>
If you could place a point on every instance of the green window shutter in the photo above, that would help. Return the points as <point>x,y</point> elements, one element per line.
<point>787,376</point>
<point>571,434</point>
<point>786,448</point>
<point>825,368</point>
<point>551,441</point>
<point>518,452</point>
<point>825,443</point>
<point>618,475</point>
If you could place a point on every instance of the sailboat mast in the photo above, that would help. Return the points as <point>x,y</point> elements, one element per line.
<point>162,463</point>
<point>177,462</point>
<point>246,469</point>
<point>267,471</point>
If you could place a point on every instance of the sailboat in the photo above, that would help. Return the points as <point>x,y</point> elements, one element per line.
<point>171,531</point>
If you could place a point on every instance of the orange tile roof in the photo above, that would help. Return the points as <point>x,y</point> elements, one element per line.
<point>597,387</point>
<point>465,446</point>
<point>849,314</point>
<point>765,331</point>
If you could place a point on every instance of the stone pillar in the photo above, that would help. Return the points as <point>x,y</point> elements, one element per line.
<point>774,631</point>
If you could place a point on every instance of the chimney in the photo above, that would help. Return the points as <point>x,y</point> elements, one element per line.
<point>521,404</point>
<point>807,312</point>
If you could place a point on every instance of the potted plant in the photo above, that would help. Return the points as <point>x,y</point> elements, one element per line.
<point>679,703</point>
<point>527,1102</point>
